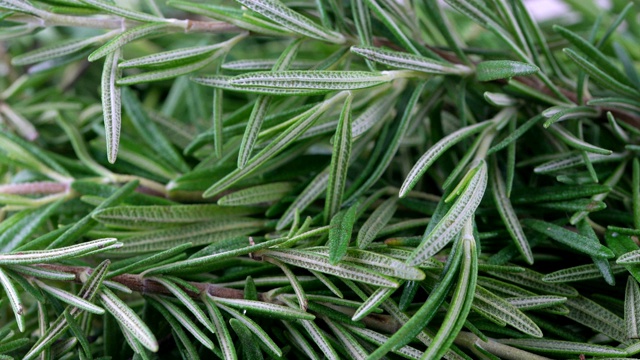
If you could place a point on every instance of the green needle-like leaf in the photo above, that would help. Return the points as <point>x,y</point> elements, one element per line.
<point>340,231</point>
<point>339,162</point>
<point>508,215</point>
<point>256,195</point>
<point>503,69</point>
<point>322,264</point>
<point>14,299</point>
<point>453,222</point>
<point>575,241</point>
<point>128,319</point>
<point>314,80</point>
<point>285,17</point>
<point>462,298</point>
<point>435,152</point>
<point>114,45</point>
<point>564,347</point>
<point>260,307</point>
<point>111,100</point>
<point>632,308</point>
<point>376,221</point>
<point>410,61</point>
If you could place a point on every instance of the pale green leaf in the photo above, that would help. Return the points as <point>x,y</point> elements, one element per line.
<point>376,221</point>
<point>257,195</point>
<point>341,228</point>
<point>153,216</point>
<point>14,299</point>
<point>454,220</point>
<point>111,103</point>
<point>314,80</point>
<point>339,163</point>
<point>320,263</point>
<point>43,256</point>
<point>113,45</point>
<point>502,69</point>
<point>70,298</point>
<point>282,15</point>
<point>632,308</point>
<point>410,61</point>
<point>264,308</point>
<point>128,319</point>
<point>435,152</point>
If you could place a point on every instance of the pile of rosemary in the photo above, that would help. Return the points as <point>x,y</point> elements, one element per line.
<point>335,179</point>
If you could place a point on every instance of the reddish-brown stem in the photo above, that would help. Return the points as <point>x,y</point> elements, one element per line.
<point>139,284</point>
<point>31,188</point>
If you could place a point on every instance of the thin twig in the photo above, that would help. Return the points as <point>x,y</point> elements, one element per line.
<point>145,286</point>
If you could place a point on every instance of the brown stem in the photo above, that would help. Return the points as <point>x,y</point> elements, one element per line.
<point>32,188</point>
<point>147,286</point>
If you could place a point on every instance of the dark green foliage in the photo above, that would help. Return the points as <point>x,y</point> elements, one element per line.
<point>317,179</point>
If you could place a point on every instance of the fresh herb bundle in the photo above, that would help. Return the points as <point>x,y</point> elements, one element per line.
<point>333,179</point>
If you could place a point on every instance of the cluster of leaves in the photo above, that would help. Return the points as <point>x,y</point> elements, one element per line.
<point>333,179</point>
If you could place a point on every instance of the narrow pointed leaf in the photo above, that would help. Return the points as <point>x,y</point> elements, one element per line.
<point>178,56</point>
<point>42,256</point>
<point>410,61</point>
<point>564,347</point>
<point>71,299</point>
<point>340,233</point>
<point>184,298</point>
<point>397,268</point>
<point>505,312</point>
<point>257,195</point>
<point>300,124</point>
<point>260,307</point>
<point>170,72</point>
<point>150,133</point>
<point>58,50</point>
<point>600,76</point>
<point>313,80</point>
<point>279,13</point>
<point>120,11</point>
<point>14,299</point>
<point>128,319</point>
<point>113,45</point>
<point>632,308</point>
<point>508,215</point>
<point>185,321</point>
<point>320,263</point>
<point>461,301</point>
<point>251,325</point>
<point>111,100</point>
<point>453,222</point>
<point>339,162</point>
<point>250,349</point>
<point>376,221</point>
<point>573,240</point>
<point>435,152</point>
<point>503,69</point>
<point>222,332</point>
<point>415,325</point>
